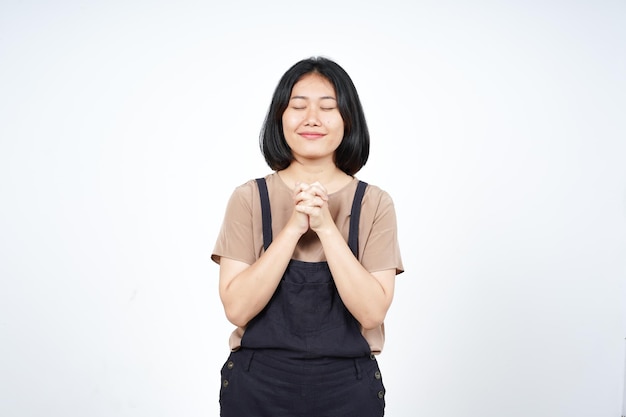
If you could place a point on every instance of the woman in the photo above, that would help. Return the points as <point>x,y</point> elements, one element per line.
<point>308,257</point>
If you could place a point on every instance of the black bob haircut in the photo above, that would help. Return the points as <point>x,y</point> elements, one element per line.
<point>352,153</point>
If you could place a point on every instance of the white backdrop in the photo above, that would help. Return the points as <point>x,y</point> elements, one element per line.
<point>497,127</point>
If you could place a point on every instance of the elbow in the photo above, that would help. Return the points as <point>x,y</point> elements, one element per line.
<point>235,311</point>
<point>238,318</point>
<point>373,316</point>
<point>237,314</point>
<point>372,321</point>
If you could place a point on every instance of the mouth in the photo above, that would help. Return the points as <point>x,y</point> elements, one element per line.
<point>311,135</point>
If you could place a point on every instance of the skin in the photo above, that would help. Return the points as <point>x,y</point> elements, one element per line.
<point>313,129</point>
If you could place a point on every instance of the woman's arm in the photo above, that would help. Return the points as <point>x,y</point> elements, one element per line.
<point>366,295</point>
<point>246,289</point>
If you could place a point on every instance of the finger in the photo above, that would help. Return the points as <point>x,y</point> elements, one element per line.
<point>319,185</point>
<point>299,187</point>
<point>318,201</point>
<point>312,201</point>
<point>304,196</point>
<point>305,209</point>
<point>319,190</point>
<point>299,191</point>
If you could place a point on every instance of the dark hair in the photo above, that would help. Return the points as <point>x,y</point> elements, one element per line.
<point>354,149</point>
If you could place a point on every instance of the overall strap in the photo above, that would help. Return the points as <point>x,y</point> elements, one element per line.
<point>355,215</point>
<point>266,213</point>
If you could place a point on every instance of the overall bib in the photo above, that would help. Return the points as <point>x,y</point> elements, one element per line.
<point>303,355</point>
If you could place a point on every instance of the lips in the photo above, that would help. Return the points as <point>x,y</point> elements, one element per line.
<point>311,135</point>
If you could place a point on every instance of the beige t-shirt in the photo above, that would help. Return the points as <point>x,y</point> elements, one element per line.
<point>241,235</point>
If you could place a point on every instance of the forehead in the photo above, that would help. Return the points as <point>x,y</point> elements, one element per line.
<point>313,85</point>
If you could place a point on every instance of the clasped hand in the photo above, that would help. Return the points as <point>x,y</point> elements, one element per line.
<point>311,206</point>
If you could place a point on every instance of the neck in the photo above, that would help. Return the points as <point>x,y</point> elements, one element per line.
<point>329,176</point>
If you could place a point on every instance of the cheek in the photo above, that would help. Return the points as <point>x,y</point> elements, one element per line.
<point>290,120</point>
<point>335,123</point>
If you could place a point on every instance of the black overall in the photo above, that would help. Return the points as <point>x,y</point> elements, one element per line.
<point>303,355</point>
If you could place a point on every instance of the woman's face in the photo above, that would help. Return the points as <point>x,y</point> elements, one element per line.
<point>312,124</point>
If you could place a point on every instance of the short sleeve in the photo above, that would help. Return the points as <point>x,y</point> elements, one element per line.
<point>380,249</point>
<point>235,240</point>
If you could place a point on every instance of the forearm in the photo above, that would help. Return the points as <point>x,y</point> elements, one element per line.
<point>366,296</point>
<point>246,290</point>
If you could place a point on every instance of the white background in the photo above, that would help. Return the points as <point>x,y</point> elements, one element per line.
<point>497,127</point>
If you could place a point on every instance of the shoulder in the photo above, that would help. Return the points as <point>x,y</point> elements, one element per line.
<point>378,205</point>
<point>248,192</point>
<point>244,191</point>
<point>242,196</point>
<point>250,187</point>
<point>377,196</point>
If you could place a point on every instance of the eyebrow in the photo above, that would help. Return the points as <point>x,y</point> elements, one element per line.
<point>306,98</point>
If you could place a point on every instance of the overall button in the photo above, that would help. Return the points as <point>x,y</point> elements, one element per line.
<point>372,357</point>
<point>225,384</point>
<point>377,375</point>
<point>381,394</point>
<point>230,365</point>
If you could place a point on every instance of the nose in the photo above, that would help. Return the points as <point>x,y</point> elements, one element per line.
<point>312,117</point>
